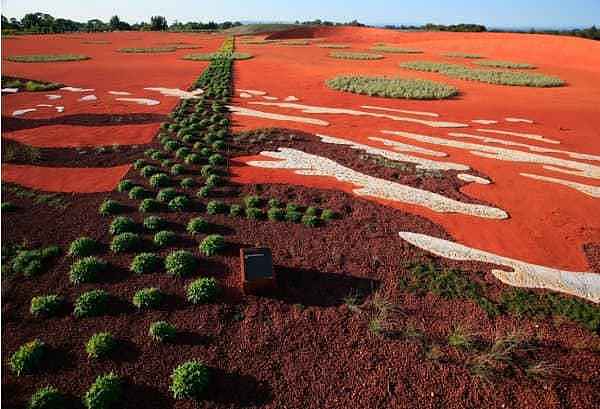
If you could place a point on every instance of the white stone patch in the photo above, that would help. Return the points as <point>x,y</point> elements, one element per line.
<point>291,98</point>
<point>521,135</point>
<point>276,117</point>
<point>402,111</point>
<point>593,191</point>
<point>253,92</point>
<point>75,89</point>
<point>20,112</point>
<point>176,92</point>
<point>570,167</point>
<point>268,98</point>
<point>245,95</point>
<point>60,109</point>
<point>119,93</point>
<point>10,90</point>
<point>44,105</point>
<point>52,97</point>
<point>140,101</point>
<point>580,284</point>
<point>420,163</point>
<point>465,177</point>
<point>308,109</point>
<point>532,148</point>
<point>484,121</point>
<point>88,98</point>
<point>312,165</point>
<point>517,120</point>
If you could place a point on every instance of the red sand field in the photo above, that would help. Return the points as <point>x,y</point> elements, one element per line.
<point>548,223</point>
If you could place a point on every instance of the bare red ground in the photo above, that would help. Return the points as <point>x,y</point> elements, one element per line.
<point>549,224</point>
<point>68,180</point>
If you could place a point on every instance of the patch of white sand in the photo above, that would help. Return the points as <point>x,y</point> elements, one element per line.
<point>52,97</point>
<point>309,109</point>
<point>253,92</point>
<point>44,105</point>
<point>493,152</point>
<point>60,109</point>
<point>276,117</point>
<point>10,90</point>
<point>307,164</point>
<point>119,93</point>
<point>20,112</point>
<point>581,284</point>
<point>593,191</point>
<point>472,179</point>
<point>517,120</point>
<point>521,135</point>
<point>484,121</point>
<point>75,89</point>
<point>245,95</point>
<point>88,98</point>
<point>402,111</point>
<point>291,98</point>
<point>176,92</point>
<point>140,101</point>
<point>268,98</point>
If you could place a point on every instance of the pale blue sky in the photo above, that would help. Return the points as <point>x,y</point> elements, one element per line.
<point>493,13</point>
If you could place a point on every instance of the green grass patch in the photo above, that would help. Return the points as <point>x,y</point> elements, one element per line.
<point>40,58</point>
<point>463,55</point>
<point>396,50</point>
<point>505,64</point>
<point>28,357</point>
<point>211,56</point>
<point>147,50</point>
<point>392,87</point>
<point>190,380</point>
<point>29,85</point>
<point>47,397</point>
<point>347,55</point>
<point>162,331</point>
<point>106,392</point>
<point>334,46</point>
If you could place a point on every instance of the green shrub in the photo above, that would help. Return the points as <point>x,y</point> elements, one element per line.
<point>145,263</point>
<point>150,152</point>
<point>126,242</point>
<point>171,145</point>
<point>42,58</point>
<point>398,50</point>
<point>138,193</point>
<point>205,152</point>
<point>235,210</point>
<point>177,169</point>
<point>167,163</point>
<point>218,145</point>
<point>8,207</point>
<point>32,262</point>
<point>197,225</point>
<point>45,305</point>
<point>328,214</point>
<point>180,263</point>
<point>153,223</point>
<point>149,170</point>
<point>182,152</point>
<point>28,357</point>
<point>293,216</point>
<point>166,195</point>
<point>276,214</point>
<point>165,238</point>
<point>252,201</point>
<point>91,304</point>
<point>158,155</point>
<point>187,183</point>
<point>203,290</point>
<point>138,164</point>
<point>160,180</point>
<point>505,64</point>
<point>83,246</point>
<point>87,270</point>
<point>407,88</point>
<point>147,298</point>
<point>216,159</point>
<point>105,393</point>
<point>100,345</point>
<point>109,207</point>
<point>311,221</point>
<point>149,205</point>
<point>180,204</point>
<point>348,55</point>
<point>162,331</point>
<point>213,181</point>
<point>122,224</point>
<point>47,397</point>
<point>216,207</point>
<point>212,244</point>
<point>190,380</point>
<point>254,213</point>
<point>203,192</point>
<point>311,211</point>
<point>193,159</point>
<point>125,185</point>
<point>292,207</point>
<point>274,202</point>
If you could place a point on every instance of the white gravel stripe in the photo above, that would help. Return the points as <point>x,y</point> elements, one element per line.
<point>276,117</point>
<point>119,93</point>
<point>140,101</point>
<point>176,92</point>
<point>521,135</point>
<point>484,121</point>
<point>517,120</point>
<point>402,111</point>
<point>75,89</point>
<point>253,92</point>
<point>20,112</point>
<point>88,98</point>
<point>465,177</point>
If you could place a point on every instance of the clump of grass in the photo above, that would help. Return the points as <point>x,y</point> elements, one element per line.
<point>162,331</point>
<point>541,370</point>
<point>100,345</point>
<point>91,304</point>
<point>125,242</point>
<point>495,360</point>
<point>153,223</point>
<point>122,224</point>
<point>165,238</point>
<point>347,55</point>
<point>109,207</point>
<point>46,397</point>
<point>190,380</point>
<point>148,298</point>
<point>145,263</point>
<point>334,46</point>
<point>180,204</point>
<point>83,246</point>
<point>395,50</point>
<point>181,263</point>
<point>87,270</point>
<point>212,56</point>
<point>166,195</point>
<point>31,263</point>
<point>28,357</point>
<point>106,392</point>
<point>149,205</point>
<point>203,290</point>
<point>146,50</point>
<point>461,338</point>
<point>505,64</point>
<point>392,87</point>
<point>462,55</point>
<point>41,58</point>
<point>197,225</point>
<point>212,244</point>
<point>45,305</point>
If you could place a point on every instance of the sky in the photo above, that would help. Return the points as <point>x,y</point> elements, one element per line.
<point>492,13</point>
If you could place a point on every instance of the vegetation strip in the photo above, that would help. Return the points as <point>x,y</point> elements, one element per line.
<point>392,87</point>
<point>42,58</point>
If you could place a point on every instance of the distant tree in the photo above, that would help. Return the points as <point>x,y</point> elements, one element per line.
<point>95,25</point>
<point>114,23</point>
<point>158,23</point>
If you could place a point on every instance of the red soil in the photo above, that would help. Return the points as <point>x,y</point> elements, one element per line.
<point>549,223</point>
<point>53,179</point>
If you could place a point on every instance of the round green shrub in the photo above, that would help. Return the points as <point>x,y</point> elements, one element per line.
<point>100,345</point>
<point>197,225</point>
<point>83,246</point>
<point>276,214</point>
<point>87,270</point>
<point>235,210</point>
<point>293,216</point>
<point>252,201</point>
<point>166,195</point>
<point>328,214</point>
<point>206,152</point>
<point>158,155</point>
<point>274,202</point>
<point>203,290</point>
<point>139,164</point>
<point>216,207</point>
<point>182,152</point>
<point>149,170</point>
<point>31,262</point>
<point>407,88</point>
<point>145,263</point>
<point>149,205</point>
<point>147,298</point>
<point>160,180</point>
<point>203,192</point>
<point>165,238</point>
<point>91,304</point>
<point>311,211</point>
<point>122,224</point>
<point>153,223</point>
<point>109,207</point>
<point>167,163</point>
<point>8,207</point>
<point>180,263</point>
<point>218,145</point>
<point>171,145</point>
<point>190,380</point>
<point>310,221</point>
<point>193,159</point>
<point>138,193</point>
<point>162,331</point>
<point>28,357</point>
<point>213,181</point>
<point>47,397</point>
<point>149,152</point>
<point>212,244</point>
<point>187,183</point>
<point>125,242</point>
<point>177,169</point>
<point>292,207</point>
<point>125,185</point>
<point>198,145</point>
<point>180,204</point>
<point>216,159</point>
<point>105,393</point>
<point>254,213</point>
<point>45,305</point>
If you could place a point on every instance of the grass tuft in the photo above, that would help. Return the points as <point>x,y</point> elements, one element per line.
<point>41,58</point>
<point>392,87</point>
<point>346,55</point>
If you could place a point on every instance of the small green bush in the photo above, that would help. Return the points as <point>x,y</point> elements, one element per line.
<point>28,357</point>
<point>83,246</point>
<point>138,193</point>
<point>203,192</point>
<point>105,393</point>
<point>193,159</point>
<point>160,180</point>
<point>180,263</point>
<point>122,224</point>
<point>109,207</point>
<point>139,164</point>
<point>180,204</point>
<point>8,207</point>
<point>187,183</point>
<point>126,242</point>
<point>203,290</point>
<point>407,88</point>
<point>254,213</point>
<point>171,145</point>
<point>162,331</point>
<point>328,214</point>
<point>91,304</point>
<point>252,201</point>
<point>87,270</point>
<point>177,169</point>
<point>398,50</point>
<point>166,195</point>
<point>153,223</point>
<point>348,55</point>
<point>158,155</point>
<point>218,145</point>
<point>292,207</point>
<point>100,345</point>
<point>31,262</point>
<point>311,221</point>
<point>45,305</point>
<point>212,244</point>
<point>276,214</point>
<point>47,397</point>
<point>293,216</point>
<point>125,185</point>
<point>274,202</point>
<point>505,64</point>
<point>213,181</point>
<point>148,298</point>
<point>216,159</point>
<point>311,211</point>
<point>208,170</point>
<point>165,238</point>
<point>149,170</point>
<point>145,263</point>
<point>216,207</point>
<point>149,205</point>
<point>167,163</point>
<point>182,152</point>
<point>235,210</point>
<point>197,225</point>
<point>190,380</point>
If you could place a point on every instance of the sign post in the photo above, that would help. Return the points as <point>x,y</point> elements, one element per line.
<point>257,270</point>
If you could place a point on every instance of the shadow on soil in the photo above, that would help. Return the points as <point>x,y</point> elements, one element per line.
<point>10,124</point>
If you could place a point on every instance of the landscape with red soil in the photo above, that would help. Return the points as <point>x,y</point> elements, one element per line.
<point>461,268</point>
